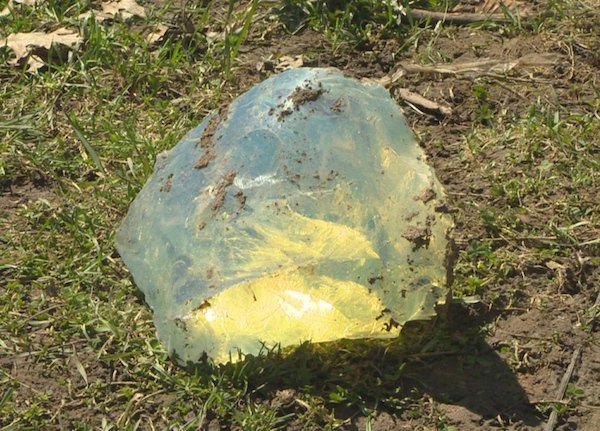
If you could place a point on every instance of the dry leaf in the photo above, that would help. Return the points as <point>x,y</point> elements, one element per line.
<point>289,62</point>
<point>34,63</point>
<point>495,6</point>
<point>11,5</point>
<point>491,6</point>
<point>110,10</point>
<point>7,9</point>
<point>23,44</point>
<point>74,360</point>
<point>157,34</point>
<point>215,36</point>
<point>555,265</point>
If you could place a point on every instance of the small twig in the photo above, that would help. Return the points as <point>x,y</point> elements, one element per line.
<point>478,195</point>
<point>435,354</point>
<point>510,90</point>
<point>457,18</point>
<point>512,309</point>
<point>527,336</point>
<point>519,79</point>
<point>526,238</point>
<point>302,403</point>
<point>548,402</point>
<point>562,389</point>
<point>567,376</point>
<point>594,312</point>
<point>416,101</point>
<point>487,67</point>
<point>39,313</point>
<point>454,68</point>
<point>424,104</point>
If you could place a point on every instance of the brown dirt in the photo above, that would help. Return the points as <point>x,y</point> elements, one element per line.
<point>207,140</point>
<point>298,97</point>
<point>22,192</point>
<point>208,156</point>
<point>221,191</point>
<point>338,105</point>
<point>419,236</point>
<point>19,194</point>
<point>166,187</point>
<point>241,197</point>
<point>62,382</point>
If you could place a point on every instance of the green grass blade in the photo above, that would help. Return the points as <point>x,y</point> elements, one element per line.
<point>88,147</point>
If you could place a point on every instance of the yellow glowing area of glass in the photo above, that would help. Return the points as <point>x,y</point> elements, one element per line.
<point>287,309</point>
<point>292,240</point>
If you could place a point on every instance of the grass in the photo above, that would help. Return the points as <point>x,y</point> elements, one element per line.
<point>78,140</point>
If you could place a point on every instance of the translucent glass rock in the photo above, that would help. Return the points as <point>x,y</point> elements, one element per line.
<point>303,211</point>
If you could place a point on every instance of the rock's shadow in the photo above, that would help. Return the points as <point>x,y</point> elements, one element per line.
<point>448,360</point>
<point>475,377</point>
<point>481,382</point>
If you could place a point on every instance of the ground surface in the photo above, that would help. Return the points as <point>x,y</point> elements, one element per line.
<point>519,156</point>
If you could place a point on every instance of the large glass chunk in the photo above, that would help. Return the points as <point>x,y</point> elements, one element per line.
<point>303,211</point>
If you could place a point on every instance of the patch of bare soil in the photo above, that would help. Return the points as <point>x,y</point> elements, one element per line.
<point>22,192</point>
<point>63,387</point>
<point>60,385</point>
<point>19,194</point>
